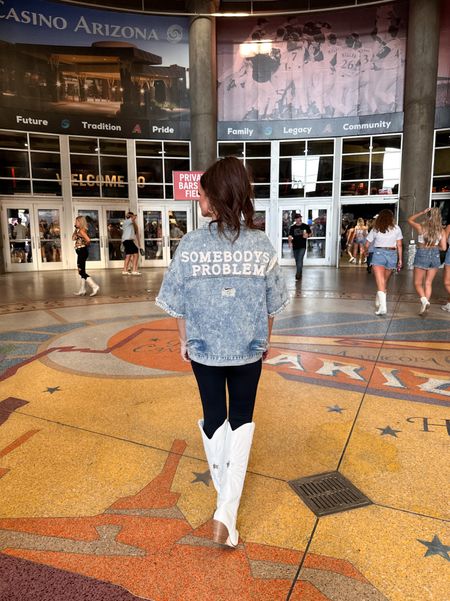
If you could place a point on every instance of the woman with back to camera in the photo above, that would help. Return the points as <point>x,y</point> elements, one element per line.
<point>359,239</point>
<point>350,235</point>
<point>387,254</point>
<point>82,242</point>
<point>430,239</point>
<point>224,286</point>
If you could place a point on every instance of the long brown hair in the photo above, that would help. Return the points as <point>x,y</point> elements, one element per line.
<point>228,188</point>
<point>384,221</point>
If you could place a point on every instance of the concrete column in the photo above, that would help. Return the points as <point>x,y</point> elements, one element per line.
<point>419,105</point>
<point>202,83</point>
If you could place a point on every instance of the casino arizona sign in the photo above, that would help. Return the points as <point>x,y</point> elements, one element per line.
<point>107,30</point>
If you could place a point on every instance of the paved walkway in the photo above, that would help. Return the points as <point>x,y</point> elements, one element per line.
<point>105,491</point>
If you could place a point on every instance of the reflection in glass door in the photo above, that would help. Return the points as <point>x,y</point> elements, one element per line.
<point>317,247</point>
<point>316,250</point>
<point>20,228</point>
<point>104,228</point>
<point>49,225</point>
<point>153,238</point>
<point>92,217</point>
<point>163,230</point>
<point>178,226</point>
<point>33,237</point>
<point>114,220</point>
<point>286,220</point>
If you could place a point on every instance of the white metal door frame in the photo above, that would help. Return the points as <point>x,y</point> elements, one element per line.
<point>303,206</point>
<point>155,232</point>
<point>33,242</point>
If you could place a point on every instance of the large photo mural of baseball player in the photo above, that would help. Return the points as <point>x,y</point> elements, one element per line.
<point>443,75</point>
<point>344,64</point>
<point>74,69</point>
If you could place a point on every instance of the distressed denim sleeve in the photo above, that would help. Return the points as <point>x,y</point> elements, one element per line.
<point>171,293</point>
<point>277,296</point>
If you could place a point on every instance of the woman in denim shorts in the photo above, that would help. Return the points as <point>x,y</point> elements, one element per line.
<point>447,267</point>
<point>386,239</point>
<point>427,261</point>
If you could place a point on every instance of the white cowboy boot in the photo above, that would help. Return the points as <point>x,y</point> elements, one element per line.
<point>424,305</point>
<point>95,287</point>
<point>377,300</point>
<point>82,290</point>
<point>382,309</point>
<point>237,452</point>
<point>214,451</point>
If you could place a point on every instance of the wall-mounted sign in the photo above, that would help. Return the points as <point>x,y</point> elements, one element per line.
<point>185,184</point>
<point>76,70</point>
<point>335,74</point>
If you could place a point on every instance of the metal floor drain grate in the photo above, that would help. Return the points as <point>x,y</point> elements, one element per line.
<point>329,493</point>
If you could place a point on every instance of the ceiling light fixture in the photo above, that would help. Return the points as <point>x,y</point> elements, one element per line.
<point>349,4</point>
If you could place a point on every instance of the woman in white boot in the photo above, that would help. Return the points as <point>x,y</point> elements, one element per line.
<point>387,238</point>
<point>225,286</point>
<point>82,242</point>
<point>427,260</point>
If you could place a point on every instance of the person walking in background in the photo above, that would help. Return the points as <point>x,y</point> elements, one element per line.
<point>350,235</point>
<point>359,240</point>
<point>431,238</point>
<point>82,242</point>
<point>447,267</point>
<point>370,223</point>
<point>387,254</point>
<point>298,234</point>
<point>130,241</point>
<point>224,286</point>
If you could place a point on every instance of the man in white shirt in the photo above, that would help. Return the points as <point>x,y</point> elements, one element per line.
<point>130,235</point>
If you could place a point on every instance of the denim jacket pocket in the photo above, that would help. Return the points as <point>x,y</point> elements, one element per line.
<point>197,345</point>
<point>257,345</point>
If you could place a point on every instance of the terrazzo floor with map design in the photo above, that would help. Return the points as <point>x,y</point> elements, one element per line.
<point>105,491</point>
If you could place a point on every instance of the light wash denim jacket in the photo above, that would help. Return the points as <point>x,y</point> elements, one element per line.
<point>225,291</point>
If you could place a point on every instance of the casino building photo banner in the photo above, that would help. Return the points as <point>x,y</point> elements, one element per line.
<point>70,69</point>
<point>335,73</point>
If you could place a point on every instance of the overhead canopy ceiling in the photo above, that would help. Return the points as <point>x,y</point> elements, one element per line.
<point>226,6</point>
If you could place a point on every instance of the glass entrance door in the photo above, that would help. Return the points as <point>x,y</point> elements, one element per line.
<point>93,221</point>
<point>163,228</point>
<point>104,228</point>
<point>32,236</point>
<point>113,238</point>
<point>318,245</point>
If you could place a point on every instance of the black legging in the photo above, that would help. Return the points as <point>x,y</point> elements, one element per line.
<point>242,382</point>
<point>82,255</point>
